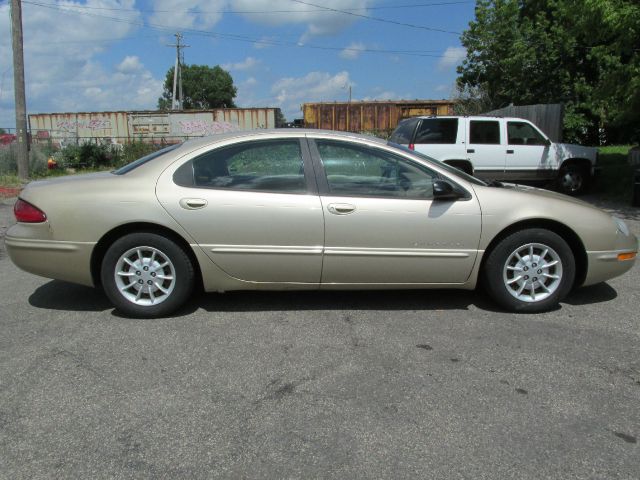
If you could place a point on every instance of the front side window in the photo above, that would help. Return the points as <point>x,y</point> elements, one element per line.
<point>354,170</point>
<point>520,133</point>
<point>437,130</point>
<point>482,132</point>
<point>268,166</point>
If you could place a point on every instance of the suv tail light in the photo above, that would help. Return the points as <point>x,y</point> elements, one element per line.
<point>412,146</point>
<point>27,213</point>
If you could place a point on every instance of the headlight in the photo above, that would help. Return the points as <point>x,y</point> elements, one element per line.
<point>622,227</point>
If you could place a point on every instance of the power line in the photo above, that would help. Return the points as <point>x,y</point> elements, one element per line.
<point>377,19</point>
<point>262,12</point>
<point>240,38</point>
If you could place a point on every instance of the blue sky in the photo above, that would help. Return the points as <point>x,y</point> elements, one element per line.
<point>97,55</point>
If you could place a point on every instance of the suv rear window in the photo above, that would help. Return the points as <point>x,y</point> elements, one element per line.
<point>403,134</point>
<point>437,130</point>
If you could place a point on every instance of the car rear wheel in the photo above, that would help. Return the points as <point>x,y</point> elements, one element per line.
<point>530,270</point>
<point>147,275</point>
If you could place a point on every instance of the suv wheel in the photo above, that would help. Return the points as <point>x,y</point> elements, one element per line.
<point>573,179</point>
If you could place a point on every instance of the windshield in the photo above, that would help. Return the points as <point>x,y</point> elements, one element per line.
<point>141,161</point>
<point>448,168</point>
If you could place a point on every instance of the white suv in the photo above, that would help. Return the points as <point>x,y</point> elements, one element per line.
<point>511,149</point>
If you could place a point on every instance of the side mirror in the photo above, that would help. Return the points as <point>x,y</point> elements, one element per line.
<point>443,190</point>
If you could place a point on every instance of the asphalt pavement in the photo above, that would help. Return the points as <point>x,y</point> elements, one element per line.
<point>346,385</point>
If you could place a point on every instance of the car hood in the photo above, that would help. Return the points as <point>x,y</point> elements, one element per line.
<point>542,193</point>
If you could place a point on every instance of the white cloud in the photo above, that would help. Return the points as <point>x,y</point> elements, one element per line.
<point>247,64</point>
<point>289,92</point>
<point>130,64</point>
<point>199,14</point>
<point>384,95</point>
<point>353,51</point>
<point>264,42</point>
<point>319,22</point>
<point>61,71</point>
<point>451,58</point>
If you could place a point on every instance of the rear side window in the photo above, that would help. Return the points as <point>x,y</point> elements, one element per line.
<point>141,161</point>
<point>437,130</point>
<point>274,166</point>
<point>484,132</point>
<point>403,134</point>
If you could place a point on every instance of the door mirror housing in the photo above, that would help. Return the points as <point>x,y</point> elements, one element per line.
<point>443,190</point>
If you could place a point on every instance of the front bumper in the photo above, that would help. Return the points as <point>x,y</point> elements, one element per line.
<point>606,265</point>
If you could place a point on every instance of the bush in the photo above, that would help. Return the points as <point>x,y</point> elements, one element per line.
<point>37,160</point>
<point>137,149</point>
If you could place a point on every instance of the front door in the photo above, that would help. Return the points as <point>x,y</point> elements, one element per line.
<point>382,224</point>
<point>527,152</point>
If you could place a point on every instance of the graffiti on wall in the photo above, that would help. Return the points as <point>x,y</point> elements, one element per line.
<point>73,125</point>
<point>203,127</point>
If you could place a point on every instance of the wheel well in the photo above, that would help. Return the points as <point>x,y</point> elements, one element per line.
<point>583,162</point>
<point>568,235</point>
<point>464,165</point>
<point>108,238</point>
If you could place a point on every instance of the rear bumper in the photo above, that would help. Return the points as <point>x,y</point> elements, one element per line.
<point>69,261</point>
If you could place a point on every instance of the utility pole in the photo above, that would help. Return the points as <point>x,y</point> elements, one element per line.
<point>176,103</point>
<point>19,90</point>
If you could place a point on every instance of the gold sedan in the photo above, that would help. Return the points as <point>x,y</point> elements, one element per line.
<point>296,209</point>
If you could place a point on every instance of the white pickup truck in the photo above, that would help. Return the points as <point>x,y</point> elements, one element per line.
<point>510,149</point>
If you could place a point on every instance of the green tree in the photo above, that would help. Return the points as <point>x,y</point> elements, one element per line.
<point>582,53</point>
<point>203,87</point>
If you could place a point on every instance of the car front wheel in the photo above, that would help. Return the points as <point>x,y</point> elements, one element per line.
<point>147,275</point>
<point>530,270</point>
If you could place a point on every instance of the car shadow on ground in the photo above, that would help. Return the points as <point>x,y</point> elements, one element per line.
<point>59,295</point>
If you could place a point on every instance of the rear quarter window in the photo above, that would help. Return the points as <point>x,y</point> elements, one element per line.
<point>403,134</point>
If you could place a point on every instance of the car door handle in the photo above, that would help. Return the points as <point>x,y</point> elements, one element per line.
<point>193,203</point>
<point>471,150</point>
<point>341,208</point>
<point>509,151</point>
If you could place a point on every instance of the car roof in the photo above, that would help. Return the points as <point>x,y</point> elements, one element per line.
<point>276,132</point>
<point>472,117</point>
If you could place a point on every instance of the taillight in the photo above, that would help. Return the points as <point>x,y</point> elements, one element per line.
<point>412,146</point>
<point>27,213</point>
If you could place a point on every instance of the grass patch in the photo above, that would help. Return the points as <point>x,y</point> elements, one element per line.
<point>10,181</point>
<point>615,179</point>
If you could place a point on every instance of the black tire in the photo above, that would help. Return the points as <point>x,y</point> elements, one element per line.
<point>574,179</point>
<point>504,275</point>
<point>153,269</point>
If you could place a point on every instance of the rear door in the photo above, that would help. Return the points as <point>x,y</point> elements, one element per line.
<point>252,207</point>
<point>485,147</point>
